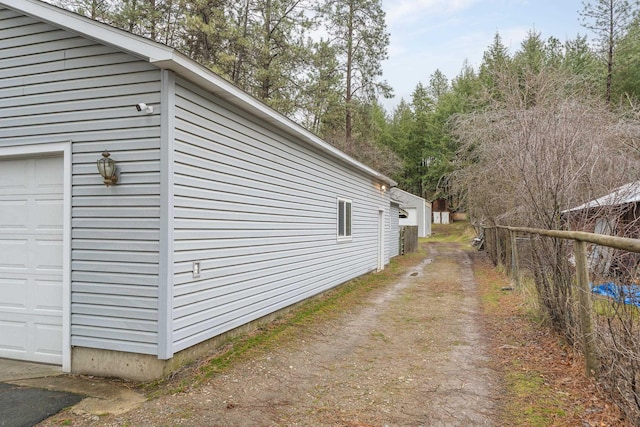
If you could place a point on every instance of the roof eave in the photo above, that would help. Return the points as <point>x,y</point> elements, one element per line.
<point>94,30</point>
<point>204,77</point>
<point>168,58</point>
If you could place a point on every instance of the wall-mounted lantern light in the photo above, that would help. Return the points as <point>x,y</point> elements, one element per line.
<point>383,188</point>
<point>107,168</point>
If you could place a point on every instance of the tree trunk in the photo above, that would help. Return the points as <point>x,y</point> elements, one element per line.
<point>132,23</point>
<point>152,20</point>
<point>266,80</point>
<point>348,113</point>
<point>237,69</point>
<point>610,53</point>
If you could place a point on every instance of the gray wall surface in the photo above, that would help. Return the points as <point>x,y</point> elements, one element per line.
<point>394,230</point>
<point>56,87</point>
<point>207,183</point>
<point>259,212</point>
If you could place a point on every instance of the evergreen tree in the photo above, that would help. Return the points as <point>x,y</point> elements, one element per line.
<point>210,35</point>
<point>582,63</point>
<point>495,61</point>
<point>438,85</point>
<point>320,104</point>
<point>609,20</point>
<point>627,84</point>
<point>279,52</point>
<point>360,37</point>
<point>99,10</point>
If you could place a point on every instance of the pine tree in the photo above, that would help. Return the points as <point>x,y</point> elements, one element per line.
<point>609,20</point>
<point>360,36</point>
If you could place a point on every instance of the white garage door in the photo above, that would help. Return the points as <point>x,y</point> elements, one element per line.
<point>31,207</point>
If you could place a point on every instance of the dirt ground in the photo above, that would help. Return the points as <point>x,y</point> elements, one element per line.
<point>414,351</point>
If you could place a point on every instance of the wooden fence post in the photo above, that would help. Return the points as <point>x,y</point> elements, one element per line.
<point>515,271</point>
<point>490,238</point>
<point>498,248</point>
<point>508,265</point>
<point>584,297</point>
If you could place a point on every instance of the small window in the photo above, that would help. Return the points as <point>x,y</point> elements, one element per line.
<point>344,219</point>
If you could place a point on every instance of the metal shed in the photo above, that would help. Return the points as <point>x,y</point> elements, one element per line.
<point>418,211</point>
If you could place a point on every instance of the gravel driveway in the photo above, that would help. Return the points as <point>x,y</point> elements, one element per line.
<point>409,354</point>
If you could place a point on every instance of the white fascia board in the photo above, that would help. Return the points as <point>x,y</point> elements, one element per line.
<point>202,76</point>
<point>406,197</point>
<point>166,57</point>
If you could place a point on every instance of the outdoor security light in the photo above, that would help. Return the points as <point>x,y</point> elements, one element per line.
<point>107,168</point>
<point>144,107</point>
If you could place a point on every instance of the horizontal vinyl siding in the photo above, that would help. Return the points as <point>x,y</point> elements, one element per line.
<point>394,230</point>
<point>259,213</point>
<point>55,86</point>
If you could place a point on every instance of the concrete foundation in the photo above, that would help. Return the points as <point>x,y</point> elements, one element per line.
<point>145,367</point>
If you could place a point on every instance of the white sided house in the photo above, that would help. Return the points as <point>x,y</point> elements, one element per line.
<point>224,211</point>
<point>418,211</point>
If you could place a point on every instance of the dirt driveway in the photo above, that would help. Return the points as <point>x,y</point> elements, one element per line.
<point>411,353</point>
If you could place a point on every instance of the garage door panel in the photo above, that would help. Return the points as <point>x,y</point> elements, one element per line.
<point>31,256</point>
<point>13,214</point>
<point>48,256</point>
<point>14,254</point>
<point>14,293</point>
<point>48,337</point>
<point>14,337</point>
<point>48,297</point>
<point>48,174</point>
<point>47,215</point>
<point>13,176</point>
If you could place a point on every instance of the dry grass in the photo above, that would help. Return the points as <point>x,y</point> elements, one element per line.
<point>544,379</point>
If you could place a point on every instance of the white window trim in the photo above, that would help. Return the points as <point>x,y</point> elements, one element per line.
<point>344,238</point>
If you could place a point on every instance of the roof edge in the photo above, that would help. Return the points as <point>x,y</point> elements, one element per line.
<point>202,76</point>
<point>167,57</point>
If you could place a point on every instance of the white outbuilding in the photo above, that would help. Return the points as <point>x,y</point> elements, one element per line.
<point>417,211</point>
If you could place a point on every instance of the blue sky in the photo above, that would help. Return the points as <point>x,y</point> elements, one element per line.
<point>440,34</point>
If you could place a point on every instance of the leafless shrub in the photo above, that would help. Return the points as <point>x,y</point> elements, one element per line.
<point>618,347</point>
<point>541,146</point>
<point>544,145</point>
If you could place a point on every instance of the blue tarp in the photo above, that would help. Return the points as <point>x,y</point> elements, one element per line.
<point>629,294</point>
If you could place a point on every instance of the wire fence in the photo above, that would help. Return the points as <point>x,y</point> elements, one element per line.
<point>585,285</point>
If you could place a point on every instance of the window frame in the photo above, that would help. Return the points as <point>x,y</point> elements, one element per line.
<point>344,219</point>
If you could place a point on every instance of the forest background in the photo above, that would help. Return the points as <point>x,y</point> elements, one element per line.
<point>549,126</point>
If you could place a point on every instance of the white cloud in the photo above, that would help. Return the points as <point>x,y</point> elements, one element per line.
<point>400,11</point>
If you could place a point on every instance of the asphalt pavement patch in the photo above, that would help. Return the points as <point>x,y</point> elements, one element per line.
<point>25,406</point>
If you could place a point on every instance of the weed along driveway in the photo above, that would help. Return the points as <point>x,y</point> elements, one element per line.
<point>399,348</point>
<point>434,340</point>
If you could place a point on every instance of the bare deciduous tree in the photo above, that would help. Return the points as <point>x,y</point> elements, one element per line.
<point>539,148</point>
<point>542,146</point>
